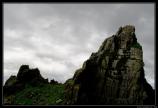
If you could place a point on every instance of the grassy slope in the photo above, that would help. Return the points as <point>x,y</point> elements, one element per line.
<point>47,94</point>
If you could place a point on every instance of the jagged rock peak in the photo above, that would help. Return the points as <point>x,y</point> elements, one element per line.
<point>26,74</point>
<point>123,39</point>
<point>113,75</point>
<point>126,29</point>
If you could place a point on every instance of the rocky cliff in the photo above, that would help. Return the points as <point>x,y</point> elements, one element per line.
<point>113,75</point>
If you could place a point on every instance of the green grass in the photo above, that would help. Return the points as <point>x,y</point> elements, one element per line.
<point>42,95</point>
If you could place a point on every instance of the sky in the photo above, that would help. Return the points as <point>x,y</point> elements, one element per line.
<point>58,38</point>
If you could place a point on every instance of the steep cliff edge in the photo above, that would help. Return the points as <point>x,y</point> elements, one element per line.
<point>114,75</point>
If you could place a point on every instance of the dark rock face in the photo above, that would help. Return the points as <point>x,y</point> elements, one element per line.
<point>114,75</point>
<point>24,76</point>
<point>53,82</point>
<point>32,76</point>
<point>12,85</point>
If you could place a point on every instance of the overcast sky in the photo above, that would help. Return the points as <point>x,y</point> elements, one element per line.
<point>58,38</point>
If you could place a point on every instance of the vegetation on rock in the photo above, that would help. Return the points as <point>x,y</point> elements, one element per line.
<point>30,88</point>
<point>137,45</point>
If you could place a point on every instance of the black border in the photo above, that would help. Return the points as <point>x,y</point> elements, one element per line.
<point>69,2</point>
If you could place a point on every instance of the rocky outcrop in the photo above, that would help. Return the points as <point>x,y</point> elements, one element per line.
<point>24,76</point>
<point>113,75</point>
<point>31,76</point>
<point>53,82</point>
<point>30,88</point>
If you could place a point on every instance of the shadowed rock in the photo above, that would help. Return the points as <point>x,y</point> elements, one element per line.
<point>12,85</point>
<point>24,76</point>
<point>53,82</point>
<point>32,76</point>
